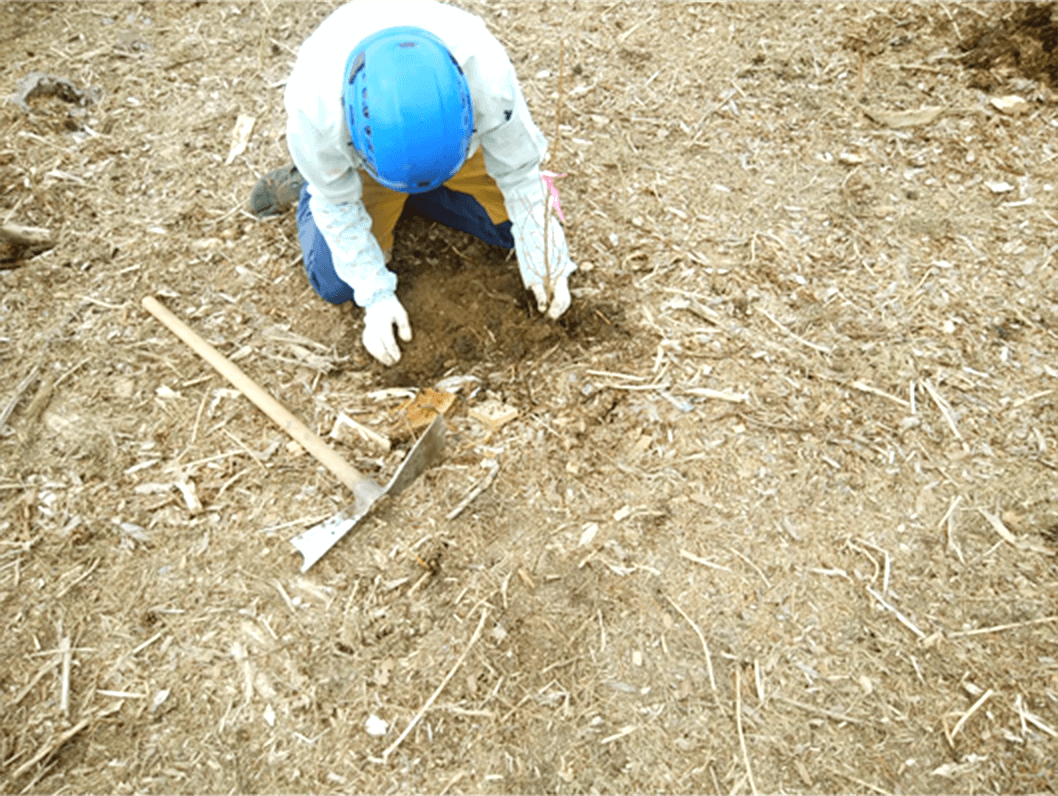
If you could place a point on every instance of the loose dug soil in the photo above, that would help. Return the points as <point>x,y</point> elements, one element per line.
<point>470,311</point>
<point>771,509</point>
<point>1023,40</point>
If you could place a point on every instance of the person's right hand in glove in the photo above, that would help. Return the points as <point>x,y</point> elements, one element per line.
<point>379,319</point>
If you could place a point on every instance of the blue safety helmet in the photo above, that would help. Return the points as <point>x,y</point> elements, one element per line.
<point>407,105</point>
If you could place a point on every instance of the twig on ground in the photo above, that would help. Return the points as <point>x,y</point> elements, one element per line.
<point>867,388</point>
<point>886,569</point>
<point>767,583</point>
<point>698,560</point>
<point>946,522</point>
<point>1000,628</point>
<point>950,736</point>
<point>798,338</point>
<point>453,781</point>
<point>26,236</point>
<point>899,616</point>
<point>1021,544</point>
<point>830,714</point>
<point>80,577</point>
<point>19,244</point>
<point>741,735</point>
<point>718,395</point>
<point>66,657</point>
<point>943,406</point>
<point>852,778</point>
<point>433,697</point>
<point>701,638</point>
<point>1029,717</point>
<point>52,664</point>
<point>614,375</point>
<point>954,24</point>
<point>478,488</point>
<point>59,741</point>
<point>20,390</point>
<point>621,733</point>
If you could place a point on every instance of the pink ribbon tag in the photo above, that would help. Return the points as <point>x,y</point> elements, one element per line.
<point>552,201</point>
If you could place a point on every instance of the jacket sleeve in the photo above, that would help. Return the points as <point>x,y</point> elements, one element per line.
<point>514,149</point>
<point>335,199</point>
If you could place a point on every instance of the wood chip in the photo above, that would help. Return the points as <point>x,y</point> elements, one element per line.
<point>240,137</point>
<point>1021,543</point>
<point>1010,104</point>
<point>352,433</point>
<point>493,413</point>
<point>898,120</point>
<point>417,413</point>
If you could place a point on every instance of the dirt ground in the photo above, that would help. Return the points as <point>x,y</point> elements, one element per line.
<point>777,510</point>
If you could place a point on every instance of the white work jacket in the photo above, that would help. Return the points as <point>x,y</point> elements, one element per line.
<point>319,139</point>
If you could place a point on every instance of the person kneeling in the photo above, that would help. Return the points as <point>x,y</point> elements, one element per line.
<point>430,115</point>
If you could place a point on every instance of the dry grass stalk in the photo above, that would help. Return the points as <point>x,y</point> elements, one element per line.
<point>808,344</point>
<point>56,743</point>
<point>830,714</point>
<point>718,395</point>
<point>858,781</point>
<point>886,558</point>
<point>477,489</point>
<point>433,697</point>
<point>943,406</point>
<point>741,735</point>
<point>621,733</point>
<point>895,612</point>
<point>947,522</point>
<point>754,567</point>
<point>867,388</point>
<point>66,656</point>
<point>80,575</point>
<point>612,375</point>
<point>1029,717</point>
<point>20,390</point>
<point>1028,545</point>
<point>698,560</point>
<point>950,736</point>
<point>701,639</point>
<point>1002,628</point>
<point>49,666</point>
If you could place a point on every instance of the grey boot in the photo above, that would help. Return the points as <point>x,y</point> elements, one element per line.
<point>276,192</point>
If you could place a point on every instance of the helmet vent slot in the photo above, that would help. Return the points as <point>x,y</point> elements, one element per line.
<point>358,64</point>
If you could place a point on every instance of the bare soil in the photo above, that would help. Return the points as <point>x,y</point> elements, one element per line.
<point>776,511</point>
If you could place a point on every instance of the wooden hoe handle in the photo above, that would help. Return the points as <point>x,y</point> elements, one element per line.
<point>302,434</point>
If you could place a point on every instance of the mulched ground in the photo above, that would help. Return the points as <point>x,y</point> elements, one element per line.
<point>771,509</point>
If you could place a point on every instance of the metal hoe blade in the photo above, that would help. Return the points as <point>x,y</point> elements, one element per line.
<point>317,540</point>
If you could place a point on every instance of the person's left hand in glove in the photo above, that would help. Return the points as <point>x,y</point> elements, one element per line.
<point>560,297</point>
<point>543,257</point>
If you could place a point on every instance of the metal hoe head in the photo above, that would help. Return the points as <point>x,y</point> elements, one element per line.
<point>316,541</point>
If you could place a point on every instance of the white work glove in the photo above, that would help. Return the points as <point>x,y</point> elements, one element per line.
<point>560,298</point>
<point>379,319</point>
<point>526,207</point>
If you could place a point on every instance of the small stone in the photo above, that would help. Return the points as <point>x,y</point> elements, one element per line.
<point>999,186</point>
<point>1011,105</point>
<point>376,726</point>
<point>588,534</point>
